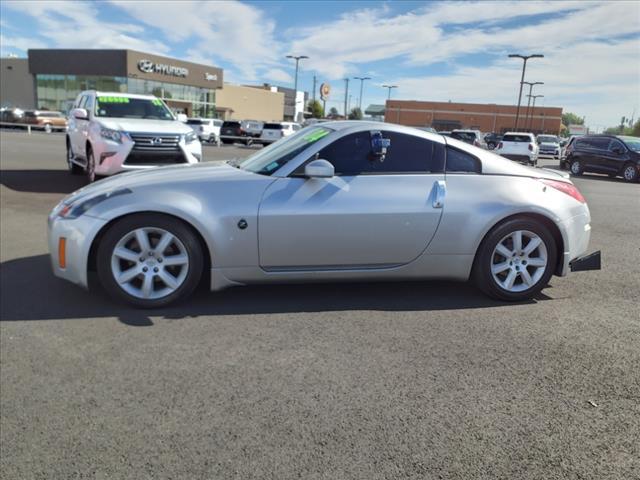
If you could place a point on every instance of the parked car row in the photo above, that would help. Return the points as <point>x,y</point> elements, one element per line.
<point>255,132</point>
<point>47,119</point>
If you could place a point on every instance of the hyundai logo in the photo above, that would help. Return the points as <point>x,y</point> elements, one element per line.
<point>145,66</point>
<point>155,141</point>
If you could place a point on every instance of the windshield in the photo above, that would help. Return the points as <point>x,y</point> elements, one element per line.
<point>633,143</point>
<point>124,107</point>
<point>271,158</point>
<point>547,139</point>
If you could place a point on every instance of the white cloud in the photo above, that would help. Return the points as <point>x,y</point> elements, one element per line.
<point>278,75</point>
<point>69,24</point>
<point>18,43</point>
<point>235,32</point>
<point>590,63</point>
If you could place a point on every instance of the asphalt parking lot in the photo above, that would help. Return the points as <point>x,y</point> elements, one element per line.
<point>388,380</point>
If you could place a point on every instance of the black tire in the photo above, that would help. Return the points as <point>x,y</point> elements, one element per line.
<point>150,220</point>
<point>74,168</point>
<point>576,167</point>
<point>90,167</point>
<point>630,173</point>
<point>226,142</point>
<point>482,275</point>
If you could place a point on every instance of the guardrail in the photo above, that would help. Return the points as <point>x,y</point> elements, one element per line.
<point>30,126</point>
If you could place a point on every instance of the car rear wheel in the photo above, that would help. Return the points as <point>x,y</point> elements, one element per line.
<point>74,168</point>
<point>630,173</point>
<point>150,260</point>
<point>516,260</point>
<point>576,167</point>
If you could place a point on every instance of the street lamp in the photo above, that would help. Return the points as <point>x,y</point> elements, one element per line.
<point>346,95</point>
<point>362,79</point>
<point>297,58</point>
<point>531,85</point>
<point>524,66</point>
<point>389,87</point>
<point>533,108</point>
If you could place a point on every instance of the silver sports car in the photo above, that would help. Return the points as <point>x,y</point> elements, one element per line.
<point>335,201</point>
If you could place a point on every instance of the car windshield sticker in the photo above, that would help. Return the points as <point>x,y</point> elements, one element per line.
<point>112,100</point>
<point>157,102</point>
<point>315,136</point>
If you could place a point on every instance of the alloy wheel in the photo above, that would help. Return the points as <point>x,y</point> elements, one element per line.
<point>519,261</point>
<point>630,173</point>
<point>149,263</point>
<point>575,168</point>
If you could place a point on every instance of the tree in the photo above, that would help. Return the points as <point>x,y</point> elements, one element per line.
<point>355,114</point>
<point>333,112</point>
<point>569,118</point>
<point>315,107</point>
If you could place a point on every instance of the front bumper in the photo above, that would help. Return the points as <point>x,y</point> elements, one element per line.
<point>112,157</point>
<point>78,234</point>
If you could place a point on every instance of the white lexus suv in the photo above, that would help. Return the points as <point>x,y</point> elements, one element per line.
<point>115,132</point>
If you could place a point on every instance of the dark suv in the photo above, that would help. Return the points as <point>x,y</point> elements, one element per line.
<point>614,155</point>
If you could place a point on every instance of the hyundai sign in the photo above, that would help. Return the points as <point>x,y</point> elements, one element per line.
<point>147,66</point>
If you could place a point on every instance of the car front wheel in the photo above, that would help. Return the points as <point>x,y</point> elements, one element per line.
<point>149,260</point>
<point>576,167</point>
<point>630,173</point>
<point>516,260</point>
<point>74,168</point>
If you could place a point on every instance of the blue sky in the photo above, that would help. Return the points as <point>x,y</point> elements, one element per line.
<point>432,50</point>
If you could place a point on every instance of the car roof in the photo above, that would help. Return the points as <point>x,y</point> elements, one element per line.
<point>519,133</point>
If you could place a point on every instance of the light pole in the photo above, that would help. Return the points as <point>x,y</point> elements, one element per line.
<point>524,66</point>
<point>346,96</point>
<point>297,58</point>
<point>362,79</point>
<point>531,85</point>
<point>389,87</point>
<point>533,108</point>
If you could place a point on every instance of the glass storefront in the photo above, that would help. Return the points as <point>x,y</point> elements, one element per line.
<point>57,92</point>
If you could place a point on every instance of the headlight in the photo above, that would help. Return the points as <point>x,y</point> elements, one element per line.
<point>109,134</point>
<point>74,210</point>
<point>190,137</point>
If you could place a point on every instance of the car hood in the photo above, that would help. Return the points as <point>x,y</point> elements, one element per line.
<point>141,125</point>
<point>159,176</point>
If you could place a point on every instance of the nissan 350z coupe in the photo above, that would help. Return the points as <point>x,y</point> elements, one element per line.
<point>337,201</point>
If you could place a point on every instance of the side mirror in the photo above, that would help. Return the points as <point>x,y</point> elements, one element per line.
<point>80,113</point>
<point>319,169</point>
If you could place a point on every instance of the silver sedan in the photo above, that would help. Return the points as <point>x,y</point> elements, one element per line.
<point>337,201</point>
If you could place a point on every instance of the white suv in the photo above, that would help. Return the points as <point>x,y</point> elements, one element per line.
<point>519,146</point>
<point>208,129</point>
<point>115,132</point>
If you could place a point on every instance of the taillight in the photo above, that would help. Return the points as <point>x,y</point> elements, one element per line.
<point>499,145</point>
<point>564,187</point>
<point>531,147</point>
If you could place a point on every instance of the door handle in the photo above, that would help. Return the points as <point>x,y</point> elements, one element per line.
<point>440,188</point>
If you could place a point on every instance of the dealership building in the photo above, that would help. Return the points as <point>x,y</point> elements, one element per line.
<point>51,79</point>
<point>483,117</point>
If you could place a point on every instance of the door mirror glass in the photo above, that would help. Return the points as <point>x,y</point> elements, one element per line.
<point>319,169</point>
<point>80,113</point>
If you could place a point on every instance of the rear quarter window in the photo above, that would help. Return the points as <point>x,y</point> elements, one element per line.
<point>458,161</point>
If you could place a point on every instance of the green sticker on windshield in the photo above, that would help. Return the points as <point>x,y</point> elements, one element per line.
<point>112,100</point>
<point>315,136</point>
